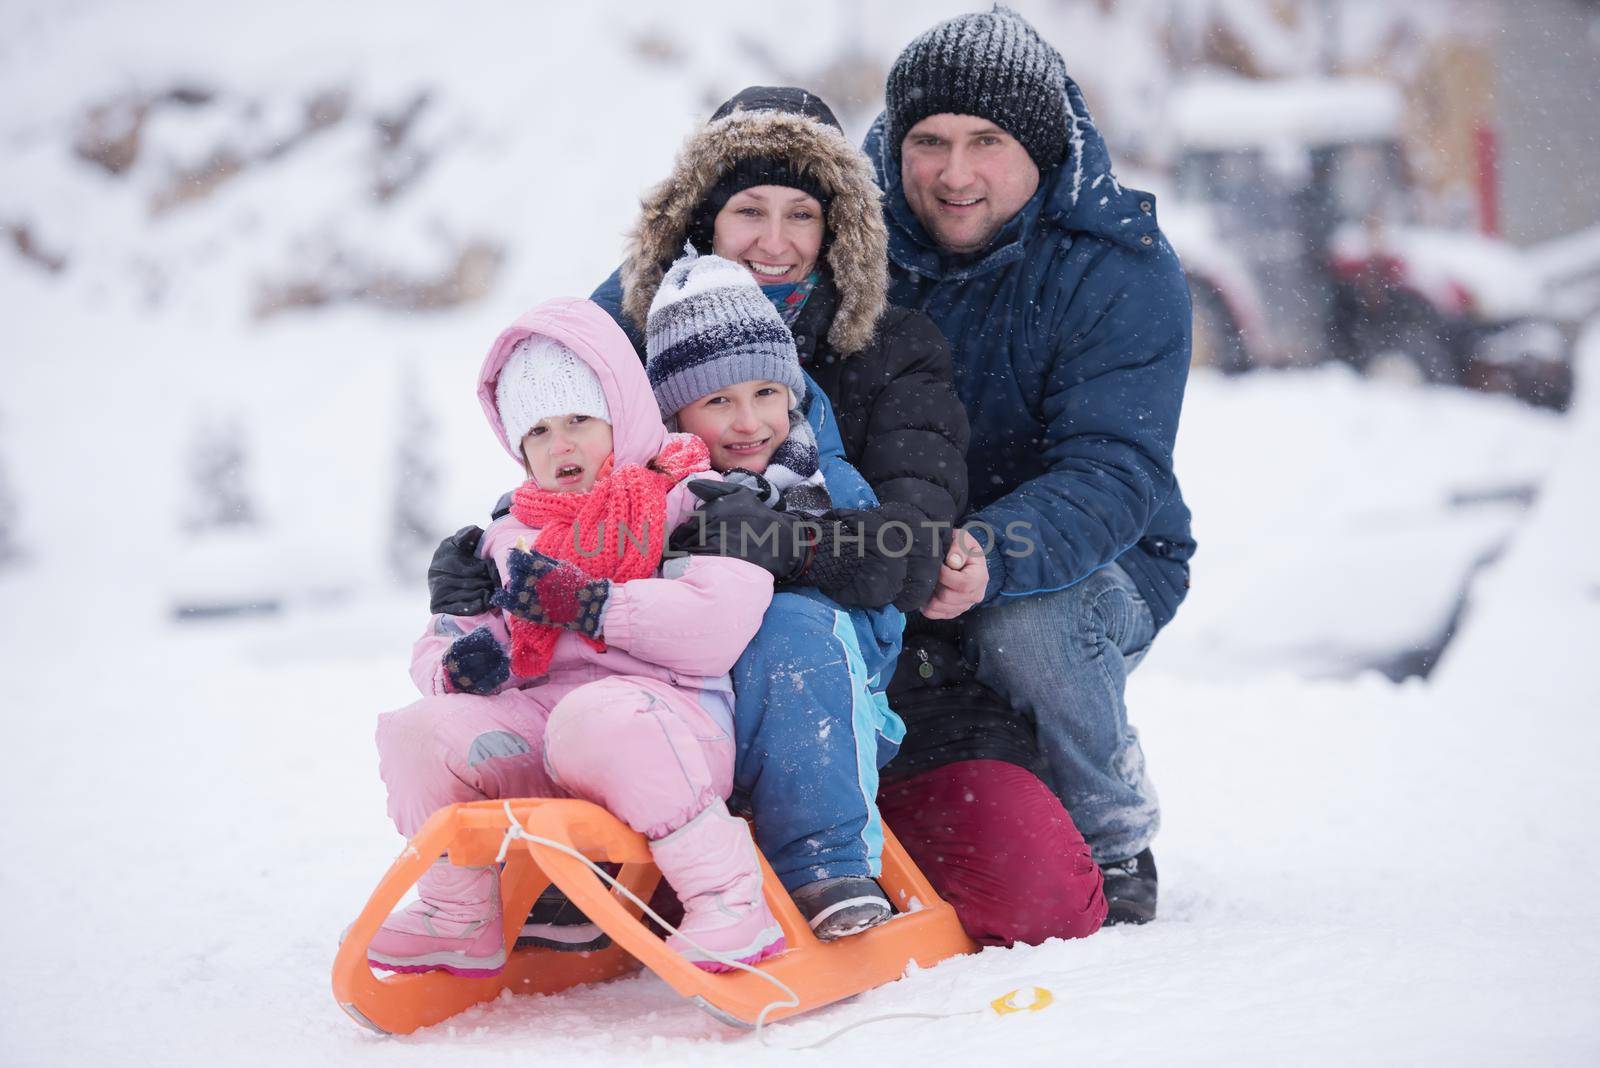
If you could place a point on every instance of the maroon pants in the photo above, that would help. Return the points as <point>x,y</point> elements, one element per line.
<point>996,844</point>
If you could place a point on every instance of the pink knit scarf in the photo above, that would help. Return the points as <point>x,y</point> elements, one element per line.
<point>587,530</point>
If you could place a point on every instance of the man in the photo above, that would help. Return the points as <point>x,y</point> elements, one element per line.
<point>1068,317</point>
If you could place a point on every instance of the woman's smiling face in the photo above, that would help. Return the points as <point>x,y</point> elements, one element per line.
<point>773,231</point>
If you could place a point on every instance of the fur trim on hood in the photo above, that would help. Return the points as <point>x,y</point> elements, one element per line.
<point>857,254</point>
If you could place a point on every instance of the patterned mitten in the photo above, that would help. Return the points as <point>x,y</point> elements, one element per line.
<point>554,593</point>
<point>475,663</point>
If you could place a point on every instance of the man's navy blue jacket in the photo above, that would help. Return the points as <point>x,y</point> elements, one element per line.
<point>1071,342</point>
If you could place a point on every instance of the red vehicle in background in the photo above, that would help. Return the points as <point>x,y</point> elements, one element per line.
<point>1293,213</point>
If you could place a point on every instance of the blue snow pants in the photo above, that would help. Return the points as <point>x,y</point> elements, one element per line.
<point>810,719</point>
<point>813,727</point>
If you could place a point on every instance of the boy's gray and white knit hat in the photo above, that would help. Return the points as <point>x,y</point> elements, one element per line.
<point>990,64</point>
<point>711,326</point>
<point>541,378</point>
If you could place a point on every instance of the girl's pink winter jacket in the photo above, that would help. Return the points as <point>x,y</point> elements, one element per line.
<point>686,628</point>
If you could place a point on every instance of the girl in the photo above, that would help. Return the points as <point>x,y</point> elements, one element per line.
<point>598,673</point>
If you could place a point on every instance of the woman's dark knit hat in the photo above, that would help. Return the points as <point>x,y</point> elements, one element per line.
<point>993,65</point>
<point>762,170</point>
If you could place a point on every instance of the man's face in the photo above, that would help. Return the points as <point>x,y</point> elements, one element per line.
<point>965,178</point>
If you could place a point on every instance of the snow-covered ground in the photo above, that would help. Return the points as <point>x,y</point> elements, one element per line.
<point>1353,869</point>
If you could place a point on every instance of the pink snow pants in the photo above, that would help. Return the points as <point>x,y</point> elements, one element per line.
<point>640,747</point>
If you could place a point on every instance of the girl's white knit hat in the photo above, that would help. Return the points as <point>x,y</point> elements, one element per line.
<point>542,378</point>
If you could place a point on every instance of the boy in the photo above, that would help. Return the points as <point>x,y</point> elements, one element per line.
<point>724,367</point>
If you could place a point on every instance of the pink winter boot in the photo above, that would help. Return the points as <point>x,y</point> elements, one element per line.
<point>454,925</point>
<point>711,863</point>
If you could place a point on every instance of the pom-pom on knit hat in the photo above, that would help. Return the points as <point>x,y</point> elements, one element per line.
<point>541,378</point>
<point>991,64</point>
<point>709,327</point>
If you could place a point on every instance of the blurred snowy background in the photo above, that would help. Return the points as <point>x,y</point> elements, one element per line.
<point>251,255</point>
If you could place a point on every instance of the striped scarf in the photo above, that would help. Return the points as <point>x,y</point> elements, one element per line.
<point>793,480</point>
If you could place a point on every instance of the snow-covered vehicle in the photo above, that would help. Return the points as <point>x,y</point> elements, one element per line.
<point>1294,215</point>
<point>1232,331</point>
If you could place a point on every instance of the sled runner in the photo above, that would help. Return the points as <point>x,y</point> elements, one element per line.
<point>925,929</point>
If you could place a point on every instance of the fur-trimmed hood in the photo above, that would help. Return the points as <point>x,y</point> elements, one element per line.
<point>857,253</point>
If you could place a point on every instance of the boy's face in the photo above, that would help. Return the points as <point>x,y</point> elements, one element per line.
<point>564,453</point>
<point>742,425</point>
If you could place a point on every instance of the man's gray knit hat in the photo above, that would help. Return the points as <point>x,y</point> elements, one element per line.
<point>709,327</point>
<point>992,65</point>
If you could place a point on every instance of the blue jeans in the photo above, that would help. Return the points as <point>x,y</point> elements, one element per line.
<point>1064,658</point>
<point>812,727</point>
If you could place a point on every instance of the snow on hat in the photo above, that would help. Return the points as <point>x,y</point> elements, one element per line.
<point>541,378</point>
<point>709,327</point>
<point>993,65</point>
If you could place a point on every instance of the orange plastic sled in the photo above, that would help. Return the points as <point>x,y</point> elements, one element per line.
<point>924,930</point>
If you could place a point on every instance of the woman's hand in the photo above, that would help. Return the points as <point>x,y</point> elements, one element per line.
<point>732,521</point>
<point>552,593</point>
<point>963,578</point>
<point>460,583</point>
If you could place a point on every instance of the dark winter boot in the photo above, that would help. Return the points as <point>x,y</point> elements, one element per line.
<point>1130,887</point>
<point>846,905</point>
<point>556,923</point>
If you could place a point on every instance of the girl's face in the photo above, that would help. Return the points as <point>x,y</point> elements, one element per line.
<point>774,231</point>
<point>564,453</point>
<point>742,425</point>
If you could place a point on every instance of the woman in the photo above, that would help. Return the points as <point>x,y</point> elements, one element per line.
<point>771,182</point>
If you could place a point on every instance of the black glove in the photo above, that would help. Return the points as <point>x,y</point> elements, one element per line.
<point>732,521</point>
<point>475,663</point>
<point>853,564</point>
<point>459,583</point>
<point>929,548</point>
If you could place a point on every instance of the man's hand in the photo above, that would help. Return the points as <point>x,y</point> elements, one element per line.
<point>962,579</point>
